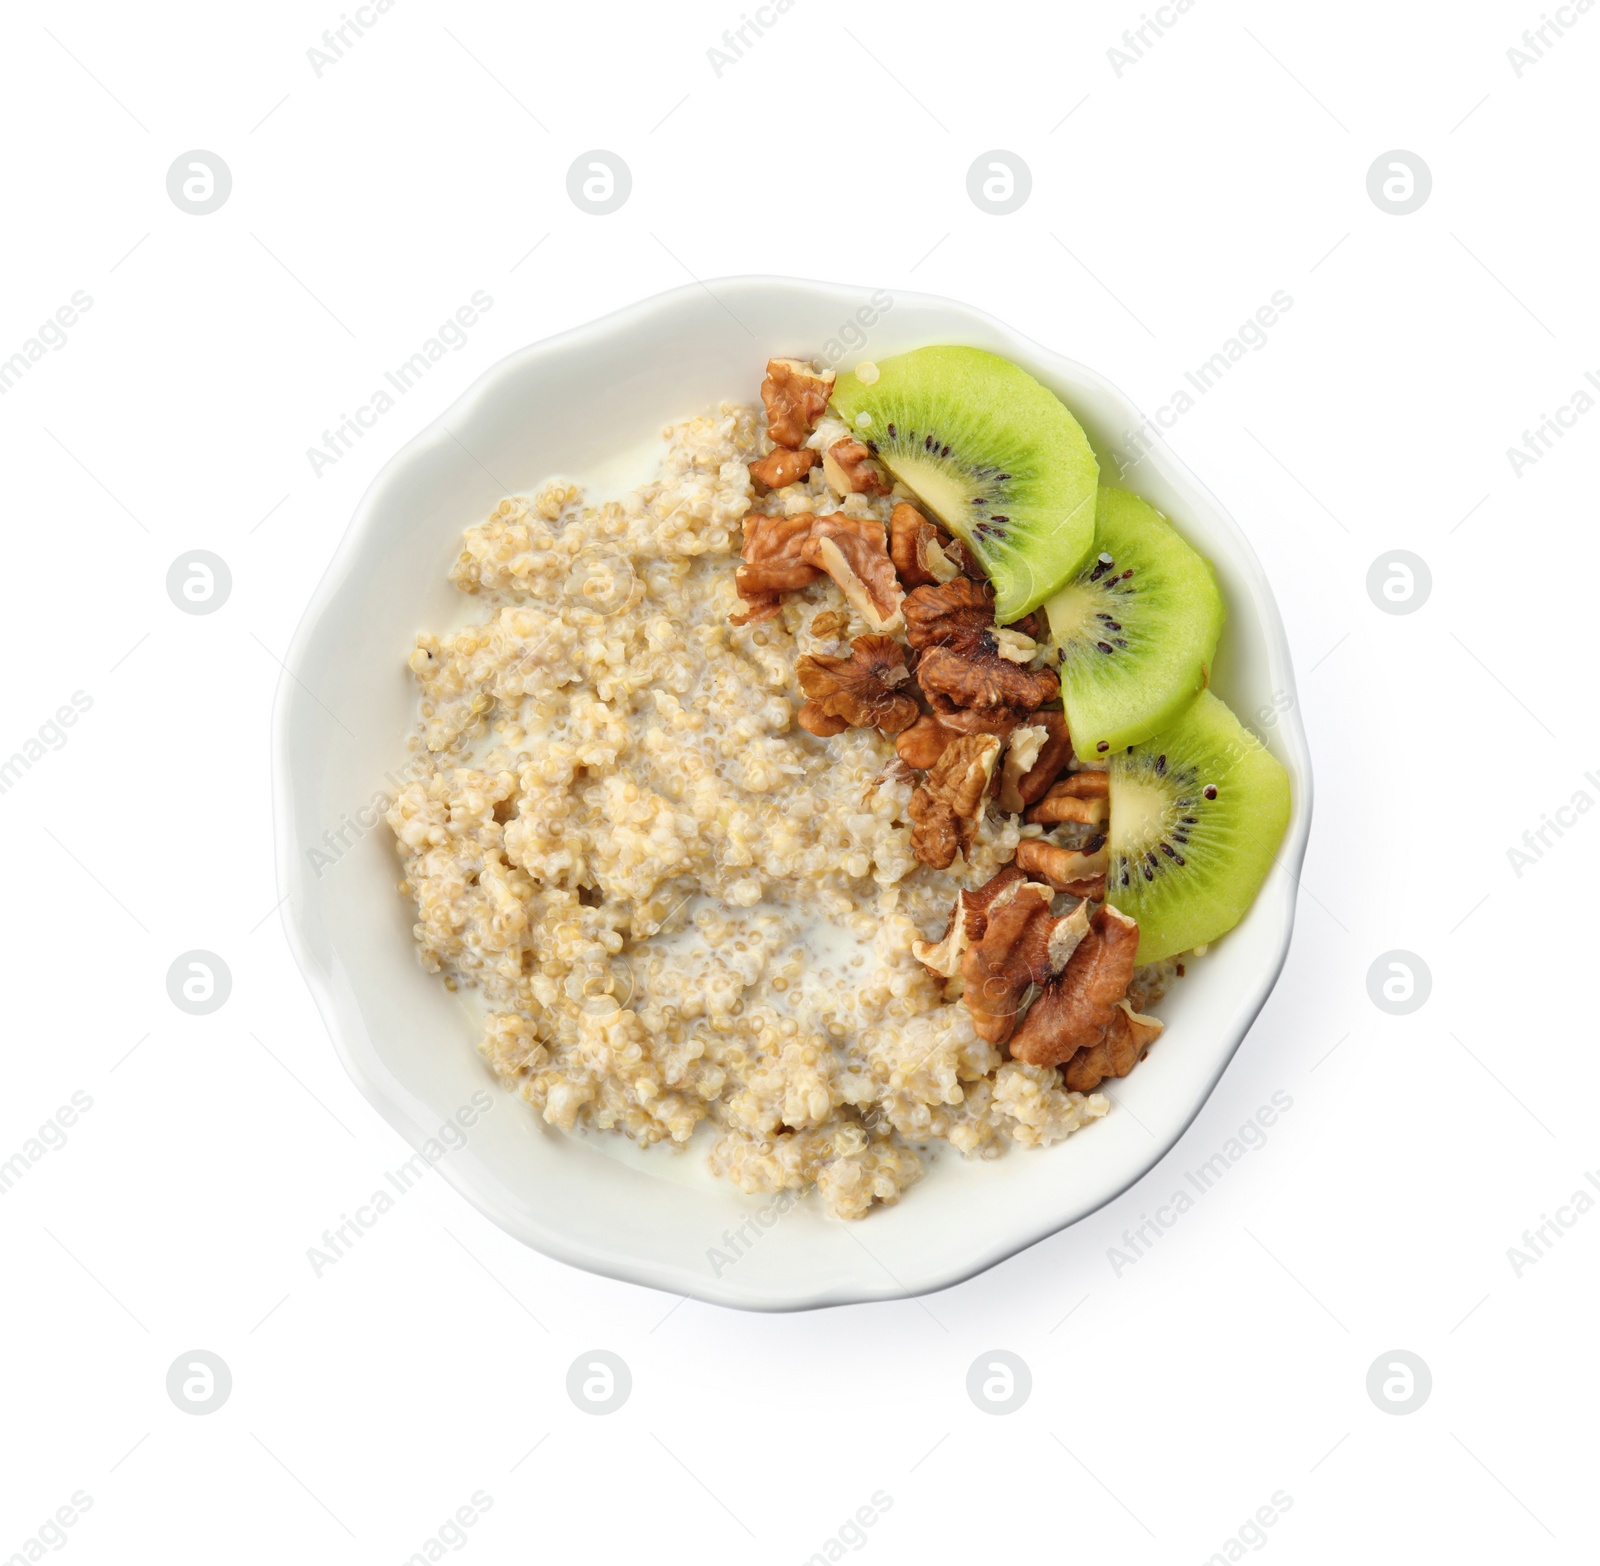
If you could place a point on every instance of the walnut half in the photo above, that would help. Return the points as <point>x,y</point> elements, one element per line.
<point>1053,755</point>
<point>1036,753</point>
<point>952,627</point>
<point>982,678</point>
<point>858,691</point>
<point>1023,944</point>
<point>1075,1009</point>
<point>772,562</point>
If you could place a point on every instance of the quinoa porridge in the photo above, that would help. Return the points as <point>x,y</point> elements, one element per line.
<point>683,911</point>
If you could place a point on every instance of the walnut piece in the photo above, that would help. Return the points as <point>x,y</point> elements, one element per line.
<point>917,549</point>
<point>968,920</point>
<point>924,742</point>
<point>998,721</point>
<point>771,556</point>
<point>969,564</point>
<point>947,806</point>
<point>848,467</point>
<point>1022,752</point>
<point>759,606</point>
<point>1053,755</point>
<point>952,627</point>
<point>1126,1039</point>
<point>853,552</point>
<point>781,466</point>
<point>1022,944</point>
<point>817,720</point>
<point>829,623</point>
<point>1013,646</point>
<point>796,396</point>
<point>784,554</point>
<point>1076,1007</point>
<point>1083,874</point>
<point>956,614</point>
<point>1083,797</point>
<point>858,691</point>
<point>983,678</point>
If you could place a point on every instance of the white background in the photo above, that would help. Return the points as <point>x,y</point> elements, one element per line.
<point>1169,1400</point>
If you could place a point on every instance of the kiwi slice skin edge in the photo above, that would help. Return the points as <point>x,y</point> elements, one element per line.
<point>992,453</point>
<point>1197,815</point>
<point>1135,631</point>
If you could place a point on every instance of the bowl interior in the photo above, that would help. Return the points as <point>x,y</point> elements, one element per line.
<point>569,407</point>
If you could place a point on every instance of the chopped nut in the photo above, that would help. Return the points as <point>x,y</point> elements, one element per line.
<point>796,396</point>
<point>924,742</point>
<point>853,552</point>
<point>982,678</point>
<point>1022,943</point>
<point>957,614</point>
<point>946,808</point>
<point>829,623</point>
<point>771,556</point>
<point>953,629</point>
<point>1075,1008</point>
<point>1067,870</point>
<point>784,554</point>
<point>1081,797</point>
<point>759,606</point>
<point>858,691</point>
<point>1021,754</point>
<point>781,466</point>
<point>829,430</point>
<point>814,720</point>
<point>1127,1038</point>
<point>1054,754</point>
<point>915,548</point>
<point>1014,646</point>
<point>998,721</point>
<point>997,969</point>
<point>968,920</point>
<point>934,554</point>
<point>967,561</point>
<point>848,467</point>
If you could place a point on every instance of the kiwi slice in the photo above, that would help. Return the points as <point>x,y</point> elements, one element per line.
<point>1197,813</point>
<point>992,453</point>
<point>1135,631</point>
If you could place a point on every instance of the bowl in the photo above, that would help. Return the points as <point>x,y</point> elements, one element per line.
<point>577,405</point>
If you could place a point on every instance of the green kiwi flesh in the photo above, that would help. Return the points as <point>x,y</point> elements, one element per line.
<point>993,454</point>
<point>1135,630</point>
<point>1197,814</point>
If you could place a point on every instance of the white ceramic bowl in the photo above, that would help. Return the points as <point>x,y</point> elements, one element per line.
<point>656,1216</point>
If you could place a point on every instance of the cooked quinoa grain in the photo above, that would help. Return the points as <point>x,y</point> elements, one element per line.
<point>681,910</point>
